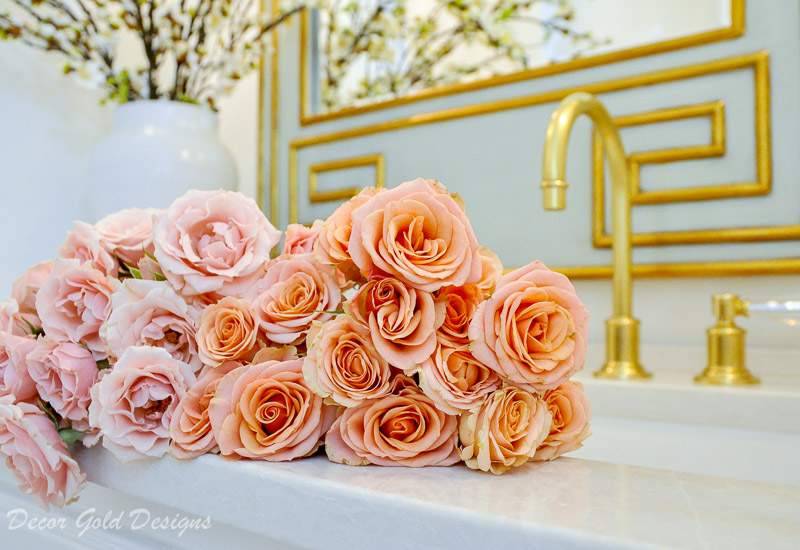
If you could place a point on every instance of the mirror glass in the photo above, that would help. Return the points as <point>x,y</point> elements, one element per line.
<point>366,51</point>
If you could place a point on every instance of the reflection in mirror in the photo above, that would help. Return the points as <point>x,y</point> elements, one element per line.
<point>363,51</point>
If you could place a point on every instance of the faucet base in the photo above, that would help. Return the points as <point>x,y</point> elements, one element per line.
<point>622,351</point>
<point>727,376</point>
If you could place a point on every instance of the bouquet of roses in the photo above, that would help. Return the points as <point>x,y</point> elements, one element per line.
<point>385,333</point>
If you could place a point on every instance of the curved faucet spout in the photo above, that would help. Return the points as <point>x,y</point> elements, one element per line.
<point>622,329</point>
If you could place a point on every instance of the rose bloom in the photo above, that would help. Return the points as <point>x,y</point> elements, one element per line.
<point>266,411</point>
<point>150,313</point>
<point>342,363</point>
<point>505,431</point>
<point>417,233</point>
<point>396,430</point>
<point>64,373</point>
<point>14,377</point>
<point>83,244</point>
<point>571,411</point>
<point>37,456</point>
<point>455,380</point>
<point>27,286</point>
<point>491,270</point>
<point>74,301</point>
<point>127,234</point>
<point>190,428</point>
<point>226,331</point>
<point>332,245</point>
<point>133,404</point>
<point>213,242</point>
<point>11,319</point>
<point>402,320</point>
<point>461,304</point>
<point>296,291</point>
<point>533,329</point>
<point>300,239</point>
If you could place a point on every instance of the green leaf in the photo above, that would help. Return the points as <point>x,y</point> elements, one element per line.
<point>158,276</point>
<point>48,410</point>
<point>146,253</point>
<point>135,273</point>
<point>103,364</point>
<point>70,436</point>
<point>337,312</point>
<point>33,330</point>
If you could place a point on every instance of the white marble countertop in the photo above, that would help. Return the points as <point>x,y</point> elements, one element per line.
<point>569,503</point>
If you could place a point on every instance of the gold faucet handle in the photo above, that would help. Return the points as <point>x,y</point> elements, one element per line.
<point>726,344</point>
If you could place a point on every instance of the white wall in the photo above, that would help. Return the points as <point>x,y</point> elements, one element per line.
<point>49,127</point>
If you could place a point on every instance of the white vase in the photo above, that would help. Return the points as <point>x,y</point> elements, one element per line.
<point>156,151</point>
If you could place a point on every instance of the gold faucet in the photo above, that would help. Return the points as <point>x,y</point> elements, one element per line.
<point>622,330</point>
<point>726,347</point>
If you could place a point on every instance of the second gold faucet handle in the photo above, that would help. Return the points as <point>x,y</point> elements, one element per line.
<point>726,306</point>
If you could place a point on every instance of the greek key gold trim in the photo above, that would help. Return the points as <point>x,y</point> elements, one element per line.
<point>734,30</point>
<point>316,196</point>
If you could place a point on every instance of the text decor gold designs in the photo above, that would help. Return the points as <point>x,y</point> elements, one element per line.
<point>734,30</point>
<point>756,267</point>
<point>762,186</point>
<point>316,196</point>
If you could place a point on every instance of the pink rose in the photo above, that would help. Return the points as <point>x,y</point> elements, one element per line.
<point>300,239</point>
<point>332,245</point>
<point>571,411</point>
<point>505,431</point>
<point>26,287</point>
<point>533,329</point>
<point>74,301</point>
<point>14,377</point>
<point>461,304</point>
<point>343,365</point>
<point>64,373</point>
<point>227,331</point>
<point>150,313</point>
<point>190,428</point>
<point>133,404</point>
<point>150,270</point>
<point>127,234</point>
<point>455,380</point>
<point>11,320</point>
<point>213,242</point>
<point>396,430</point>
<point>402,320</point>
<point>417,233</point>
<point>37,455</point>
<point>491,270</point>
<point>83,244</point>
<point>296,291</point>
<point>266,411</point>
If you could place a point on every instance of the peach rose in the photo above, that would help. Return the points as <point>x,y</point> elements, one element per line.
<point>533,329</point>
<point>417,233</point>
<point>266,411</point>
<point>83,244</point>
<point>133,403</point>
<point>402,320</point>
<point>14,377</point>
<point>504,431</point>
<point>73,303</point>
<point>127,234</point>
<point>296,291</point>
<point>332,245</point>
<point>227,331</point>
<point>455,380</point>
<point>396,430</point>
<point>150,313</point>
<point>213,242</point>
<point>461,304</point>
<point>26,287</point>
<point>299,238</point>
<point>491,270</point>
<point>571,411</point>
<point>37,456</point>
<point>190,428</point>
<point>64,373</point>
<point>343,365</point>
